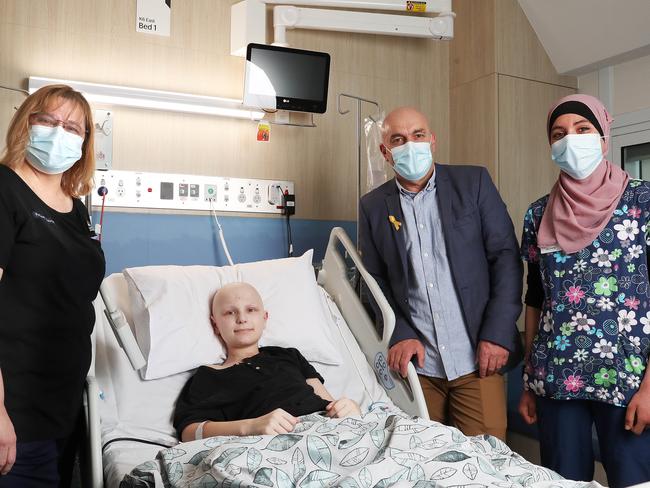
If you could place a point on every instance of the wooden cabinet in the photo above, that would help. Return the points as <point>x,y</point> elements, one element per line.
<point>502,84</point>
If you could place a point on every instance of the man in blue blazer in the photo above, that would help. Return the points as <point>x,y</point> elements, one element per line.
<point>440,243</point>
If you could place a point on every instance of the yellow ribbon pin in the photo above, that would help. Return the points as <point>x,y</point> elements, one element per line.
<point>396,223</point>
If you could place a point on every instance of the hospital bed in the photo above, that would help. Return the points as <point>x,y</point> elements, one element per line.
<point>129,419</point>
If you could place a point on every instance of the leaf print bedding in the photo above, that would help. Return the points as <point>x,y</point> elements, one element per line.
<point>385,448</point>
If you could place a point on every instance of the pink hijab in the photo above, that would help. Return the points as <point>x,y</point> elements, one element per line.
<point>578,210</point>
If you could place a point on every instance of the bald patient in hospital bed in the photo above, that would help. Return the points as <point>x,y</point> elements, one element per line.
<point>257,390</point>
<point>257,412</point>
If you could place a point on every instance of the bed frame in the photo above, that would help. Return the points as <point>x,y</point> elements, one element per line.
<point>334,277</point>
<point>406,393</point>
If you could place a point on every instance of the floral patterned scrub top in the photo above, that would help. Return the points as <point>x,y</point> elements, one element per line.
<point>594,331</point>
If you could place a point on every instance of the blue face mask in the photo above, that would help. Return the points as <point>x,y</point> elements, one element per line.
<point>52,150</point>
<point>578,155</point>
<point>412,160</point>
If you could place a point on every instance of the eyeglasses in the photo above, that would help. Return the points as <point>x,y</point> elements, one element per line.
<point>48,120</point>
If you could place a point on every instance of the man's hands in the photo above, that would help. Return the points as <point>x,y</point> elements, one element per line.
<point>343,407</point>
<point>399,356</point>
<point>528,407</point>
<point>490,358</point>
<point>276,422</point>
<point>7,442</point>
<point>637,417</point>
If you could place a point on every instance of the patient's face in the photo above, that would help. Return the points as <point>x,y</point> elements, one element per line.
<point>238,315</point>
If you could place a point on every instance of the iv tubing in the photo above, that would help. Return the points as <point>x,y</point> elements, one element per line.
<point>221,237</point>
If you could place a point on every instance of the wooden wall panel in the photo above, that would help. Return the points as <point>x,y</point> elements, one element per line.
<point>502,83</point>
<point>97,42</point>
<point>473,49</point>
<point>474,128</point>
<point>526,171</point>
<point>518,50</point>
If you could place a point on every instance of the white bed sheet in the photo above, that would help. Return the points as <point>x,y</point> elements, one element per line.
<point>121,457</point>
<point>131,407</point>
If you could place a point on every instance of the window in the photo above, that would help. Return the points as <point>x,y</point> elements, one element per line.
<point>635,159</point>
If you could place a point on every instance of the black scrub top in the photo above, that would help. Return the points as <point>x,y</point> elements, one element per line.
<point>274,378</point>
<point>53,266</point>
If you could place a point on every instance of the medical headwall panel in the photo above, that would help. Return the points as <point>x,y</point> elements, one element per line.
<point>132,189</point>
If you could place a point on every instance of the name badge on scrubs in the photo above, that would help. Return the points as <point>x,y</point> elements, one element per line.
<point>547,250</point>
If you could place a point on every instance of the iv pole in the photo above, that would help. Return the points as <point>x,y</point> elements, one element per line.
<point>359,100</point>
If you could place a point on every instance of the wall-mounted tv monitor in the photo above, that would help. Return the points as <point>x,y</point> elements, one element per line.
<point>281,78</point>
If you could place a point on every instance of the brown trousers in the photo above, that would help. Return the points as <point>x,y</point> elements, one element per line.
<point>472,404</point>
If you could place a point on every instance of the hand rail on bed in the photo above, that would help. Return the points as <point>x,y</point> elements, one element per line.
<point>405,393</point>
<point>122,329</point>
<point>93,477</point>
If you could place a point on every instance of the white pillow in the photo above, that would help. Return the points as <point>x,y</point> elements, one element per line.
<point>171,312</point>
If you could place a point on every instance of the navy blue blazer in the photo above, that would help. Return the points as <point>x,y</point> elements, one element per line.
<point>481,247</point>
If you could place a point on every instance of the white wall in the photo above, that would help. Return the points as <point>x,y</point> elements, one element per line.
<point>583,35</point>
<point>629,85</point>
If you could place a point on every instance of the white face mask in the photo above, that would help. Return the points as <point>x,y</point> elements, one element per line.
<point>578,155</point>
<point>412,160</point>
<point>52,150</point>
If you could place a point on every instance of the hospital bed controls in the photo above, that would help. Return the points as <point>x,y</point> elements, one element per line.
<point>381,369</point>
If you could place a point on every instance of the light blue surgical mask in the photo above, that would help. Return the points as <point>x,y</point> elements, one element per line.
<point>412,160</point>
<point>52,150</point>
<point>578,155</point>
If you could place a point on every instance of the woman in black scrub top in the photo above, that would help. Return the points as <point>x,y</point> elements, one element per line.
<point>51,266</point>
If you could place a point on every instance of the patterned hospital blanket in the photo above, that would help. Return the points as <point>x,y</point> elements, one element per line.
<point>385,448</point>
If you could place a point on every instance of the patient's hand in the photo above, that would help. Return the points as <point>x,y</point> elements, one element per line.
<point>343,407</point>
<point>276,422</point>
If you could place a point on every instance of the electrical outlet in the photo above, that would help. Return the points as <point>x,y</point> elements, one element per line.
<point>241,196</point>
<point>210,193</point>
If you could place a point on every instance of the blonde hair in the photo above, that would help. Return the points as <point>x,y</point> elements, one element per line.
<point>76,181</point>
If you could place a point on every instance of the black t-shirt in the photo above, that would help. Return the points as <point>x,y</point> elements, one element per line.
<point>53,267</point>
<point>274,378</point>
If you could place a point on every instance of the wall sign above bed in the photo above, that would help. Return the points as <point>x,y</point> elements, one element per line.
<point>153,17</point>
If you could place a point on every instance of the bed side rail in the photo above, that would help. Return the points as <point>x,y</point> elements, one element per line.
<point>92,471</point>
<point>91,466</point>
<point>405,393</point>
<point>121,329</point>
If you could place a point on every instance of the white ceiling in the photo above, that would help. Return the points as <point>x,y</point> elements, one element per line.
<point>584,35</point>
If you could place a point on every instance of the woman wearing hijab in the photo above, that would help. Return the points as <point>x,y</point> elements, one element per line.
<point>588,304</point>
